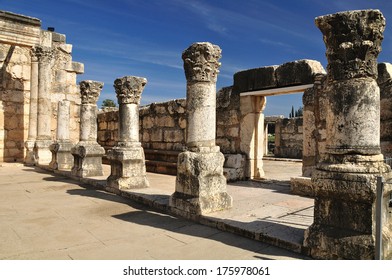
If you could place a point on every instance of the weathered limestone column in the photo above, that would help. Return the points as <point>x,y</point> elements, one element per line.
<point>88,153</point>
<point>252,134</point>
<point>62,158</point>
<point>43,154</point>
<point>345,179</point>
<point>32,136</point>
<point>200,184</point>
<point>128,168</point>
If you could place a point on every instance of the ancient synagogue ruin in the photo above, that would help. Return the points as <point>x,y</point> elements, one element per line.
<point>212,136</point>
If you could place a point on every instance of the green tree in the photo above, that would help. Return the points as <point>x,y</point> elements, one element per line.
<point>292,114</point>
<point>108,103</point>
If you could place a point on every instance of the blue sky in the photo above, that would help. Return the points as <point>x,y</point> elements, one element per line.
<point>147,37</point>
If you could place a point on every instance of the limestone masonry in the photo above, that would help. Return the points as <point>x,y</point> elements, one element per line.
<point>344,137</point>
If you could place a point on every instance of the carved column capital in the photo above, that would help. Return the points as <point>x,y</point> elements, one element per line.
<point>90,91</point>
<point>42,54</point>
<point>353,40</point>
<point>129,89</point>
<point>201,62</point>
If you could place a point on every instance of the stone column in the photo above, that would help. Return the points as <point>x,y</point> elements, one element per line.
<point>32,134</point>
<point>252,134</point>
<point>200,184</point>
<point>128,168</point>
<point>62,158</point>
<point>345,179</point>
<point>44,115</point>
<point>88,153</point>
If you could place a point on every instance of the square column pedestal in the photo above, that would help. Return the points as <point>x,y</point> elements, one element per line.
<point>128,169</point>
<point>345,210</point>
<point>42,151</point>
<point>62,158</point>
<point>87,159</point>
<point>200,183</point>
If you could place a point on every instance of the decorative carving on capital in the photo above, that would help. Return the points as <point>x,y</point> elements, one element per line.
<point>353,40</point>
<point>90,91</point>
<point>42,54</point>
<point>129,89</point>
<point>201,62</point>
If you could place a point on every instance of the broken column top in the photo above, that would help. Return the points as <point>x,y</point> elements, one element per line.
<point>90,91</point>
<point>353,40</point>
<point>201,62</point>
<point>129,89</point>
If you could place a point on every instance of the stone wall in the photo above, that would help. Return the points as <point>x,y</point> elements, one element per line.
<point>315,102</point>
<point>162,125</point>
<point>18,34</point>
<point>14,94</point>
<point>163,128</point>
<point>289,138</point>
<point>385,83</point>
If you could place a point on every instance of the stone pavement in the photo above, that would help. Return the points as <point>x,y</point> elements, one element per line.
<point>52,216</point>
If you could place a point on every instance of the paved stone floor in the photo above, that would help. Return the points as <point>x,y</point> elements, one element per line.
<point>47,216</point>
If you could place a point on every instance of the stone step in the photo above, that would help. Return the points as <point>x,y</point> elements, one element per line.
<point>161,155</point>
<point>162,167</point>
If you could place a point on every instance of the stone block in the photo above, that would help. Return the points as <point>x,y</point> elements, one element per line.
<point>234,161</point>
<point>200,184</point>
<point>173,136</point>
<point>384,73</point>
<point>67,48</point>
<point>57,37</point>
<point>298,72</point>
<point>164,121</point>
<point>255,79</point>
<point>157,135</point>
<point>182,122</point>
<point>302,186</point>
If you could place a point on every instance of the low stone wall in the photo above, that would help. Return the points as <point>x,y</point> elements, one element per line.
<point>162,125</point>
<point>289,138</point>
<point>163,128</point>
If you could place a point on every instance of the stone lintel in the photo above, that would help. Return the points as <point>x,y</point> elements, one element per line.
<point>277,91</point>
<point>300,72</point>
<point>19,30</point>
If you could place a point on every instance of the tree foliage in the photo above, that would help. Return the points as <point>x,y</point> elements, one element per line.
<point>296,113</point>
<point>108,103</point>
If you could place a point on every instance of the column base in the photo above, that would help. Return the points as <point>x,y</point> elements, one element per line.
<point>344,211</point>
<point>42,152</point>
<point>87,159</point>
<point>128,168</point>
<point>30,153</point>
<point>200,183</point>
<point>62,158</point>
